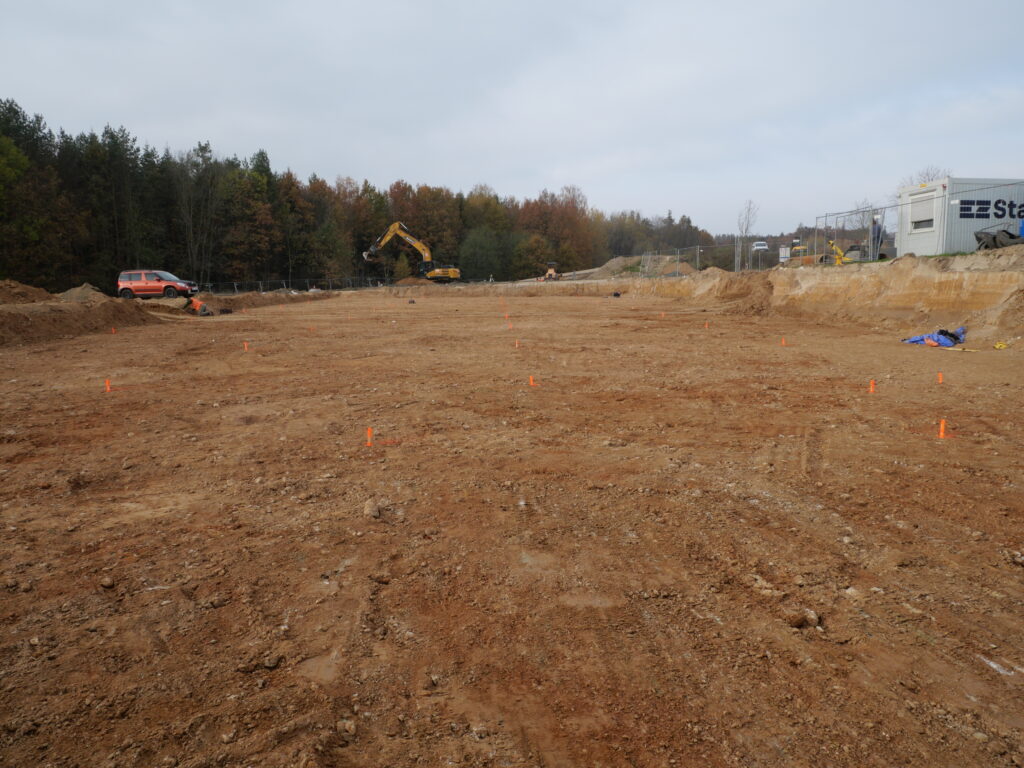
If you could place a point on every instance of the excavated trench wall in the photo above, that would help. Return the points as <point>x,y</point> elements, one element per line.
<point>983,290</point>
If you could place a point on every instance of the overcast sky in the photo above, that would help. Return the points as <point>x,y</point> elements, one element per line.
<point>803,107</point>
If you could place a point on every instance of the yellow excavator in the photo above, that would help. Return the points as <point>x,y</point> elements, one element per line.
<point>839,254</point>
<point>439,273</point>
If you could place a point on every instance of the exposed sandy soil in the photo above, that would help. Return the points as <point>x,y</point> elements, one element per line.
<point>686,546</point>
<point>33,315</point>
<point>13,292</point>
<point>28,323</point>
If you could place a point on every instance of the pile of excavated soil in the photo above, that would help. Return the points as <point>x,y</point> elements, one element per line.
<point>86,310</point>
<point>414,281</point>
<point>614,267</point>
<point>42,320</point>
<point>13,292</point>
<point>982,290</point>
<point>86,292</point>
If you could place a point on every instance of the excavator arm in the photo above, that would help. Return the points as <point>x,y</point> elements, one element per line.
<point>839,254</point>
<point>442,273</point>
<point>399,229</point>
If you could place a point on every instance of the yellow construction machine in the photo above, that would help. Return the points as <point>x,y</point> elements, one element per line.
<point>439,273</point>
<point>840,255</point>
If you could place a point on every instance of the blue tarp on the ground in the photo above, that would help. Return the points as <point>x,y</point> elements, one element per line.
<point>940,339</point>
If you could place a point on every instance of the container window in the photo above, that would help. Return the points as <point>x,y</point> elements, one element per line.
<point>922,212</point>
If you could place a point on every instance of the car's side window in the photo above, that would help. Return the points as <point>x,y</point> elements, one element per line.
<point>151,276</point>
<point>133,277</point>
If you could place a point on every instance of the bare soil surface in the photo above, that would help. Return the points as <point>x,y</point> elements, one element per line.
<point>687,544</point>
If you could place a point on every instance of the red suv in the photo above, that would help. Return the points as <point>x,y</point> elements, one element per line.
<point>146,283</point>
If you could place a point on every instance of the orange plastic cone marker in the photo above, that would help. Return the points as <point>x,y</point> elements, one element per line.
<point>783,341</point>
<point>369,437</point>
<point>245,346</point>
<point>113,330</point>
<point>871,387</point>
<point>106,385</point>
<point>705,325</point>
<point>940,377</point>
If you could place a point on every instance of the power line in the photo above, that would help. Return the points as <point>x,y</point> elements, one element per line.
<point>895,205</point>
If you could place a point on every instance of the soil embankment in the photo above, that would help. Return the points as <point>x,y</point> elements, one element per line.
<point>29,315</point>
<point>984,290</point>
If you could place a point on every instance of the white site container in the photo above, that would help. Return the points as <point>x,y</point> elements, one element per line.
<point>943,215</point>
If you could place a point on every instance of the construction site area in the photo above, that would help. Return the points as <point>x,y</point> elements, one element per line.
<point>711,519</point>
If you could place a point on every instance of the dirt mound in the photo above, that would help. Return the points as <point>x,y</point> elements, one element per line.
<point>42,320</point>
<point>414,281</point>
<point>981,289</point>
<point>86,292</point>
<point>1004,321</point>
<point>13,292</point>
<point>994,260</point>
<point>615,267</point>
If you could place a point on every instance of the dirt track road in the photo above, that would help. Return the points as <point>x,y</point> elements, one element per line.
<point>686,546</point>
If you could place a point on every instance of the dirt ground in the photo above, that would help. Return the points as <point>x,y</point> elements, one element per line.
<point>684,546</point>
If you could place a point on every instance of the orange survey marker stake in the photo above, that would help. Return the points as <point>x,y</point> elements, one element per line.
<point>369,437</point>
<point>113,330</point>
<point>106,385</point>
<point>663,314</point>
<point>245,346</point>
<point>532,382</point>
<point>942,429</point>
<point>506,315</point>
<point>871,387</point>
<point>783,342</point>
<point>940,377</point>
<point>517,343</point>
<point>706,326</point>
<point>510,326</point>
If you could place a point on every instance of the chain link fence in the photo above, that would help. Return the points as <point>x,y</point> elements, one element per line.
<point>296,286</point>
<point>685,261</point>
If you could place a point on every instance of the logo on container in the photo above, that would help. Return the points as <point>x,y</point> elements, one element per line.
<point>987,209</point>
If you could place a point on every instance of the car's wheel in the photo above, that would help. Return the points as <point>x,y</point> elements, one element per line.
<point>170,292</point>
<point>126,293</point>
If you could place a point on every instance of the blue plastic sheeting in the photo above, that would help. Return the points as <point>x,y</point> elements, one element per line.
<point>939,339</point>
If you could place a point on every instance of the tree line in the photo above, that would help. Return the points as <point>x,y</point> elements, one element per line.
<point>81,208</point>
